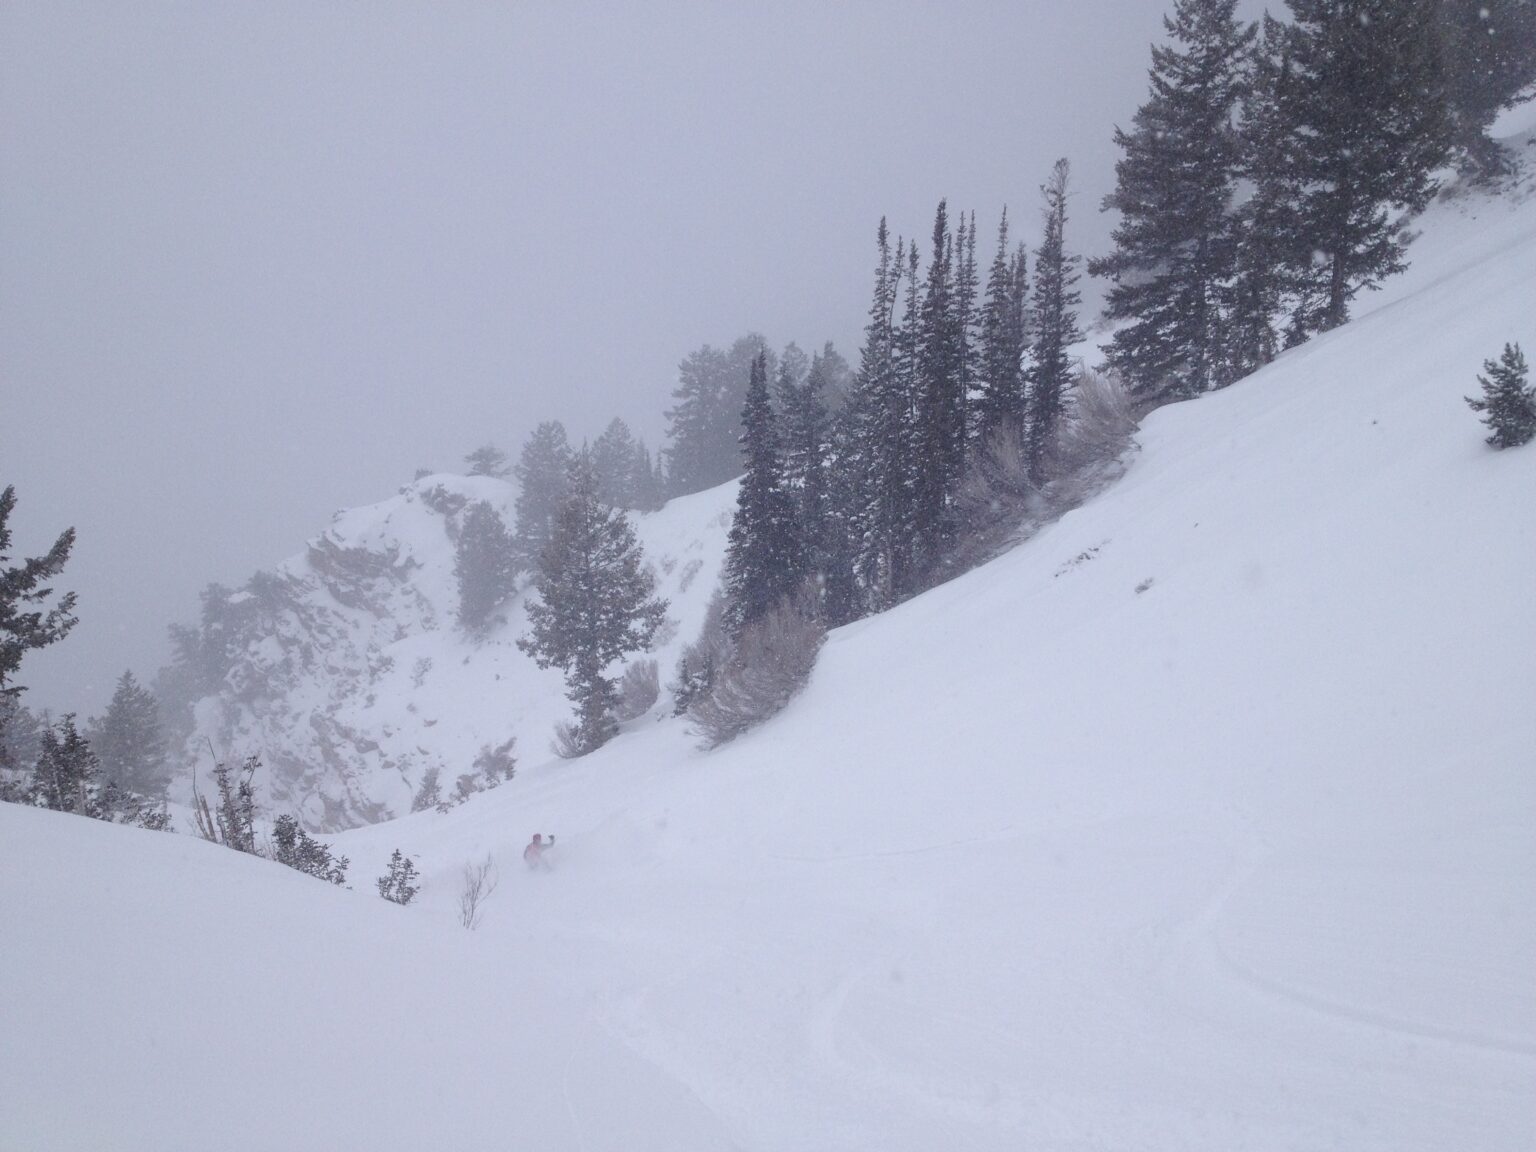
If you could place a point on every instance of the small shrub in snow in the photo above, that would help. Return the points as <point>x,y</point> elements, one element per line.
<point>479,882</point>
<point>395,885</point>
<point>234,824</point>
<point>769,663</point>
<point>567,743</point>
<point>430,792</point>
<point>497,764</point>
<point>1508,403</point>
<point>295,848</point>
<point>1101,424</point>
<point>638,690</point>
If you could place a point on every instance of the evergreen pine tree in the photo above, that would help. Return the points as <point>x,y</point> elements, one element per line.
<point>1267,236</point>
<point>1508,402</point>
<point>613,464</point>
<point>646,480</point>
<point>1056,330</point>
<point>485,566</point>
<point>21,737</point>
<point>24,625</point>
<point>803,436</point>
<point>487,460</point>
<point>764,556</point>
<point>703,426</point>
<point>874,466</point>
<point>837,542</point>
<point>596,603</point>
<point>67,775</point>
<point>940,394</point>
<point>1175,245</point>
<point>1488,48</point>
<point>1367,127</point>
<point>130,742</point>
<point>1003,335</point>
<point>542,473</point>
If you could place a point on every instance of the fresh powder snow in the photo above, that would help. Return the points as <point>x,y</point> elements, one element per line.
<point>1202,819</point>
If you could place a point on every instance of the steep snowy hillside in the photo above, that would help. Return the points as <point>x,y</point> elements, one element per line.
<point>1200,821</point>
<point>344,667</point>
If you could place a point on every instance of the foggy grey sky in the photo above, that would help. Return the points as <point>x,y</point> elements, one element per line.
<point>260,261</point>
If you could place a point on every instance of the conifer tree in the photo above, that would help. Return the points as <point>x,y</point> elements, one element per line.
<point>1488,48</point>
<point>487,460</point>
<point>1508,402</point>
<point>485,566</point>
<point>940,392</point>
<point>24,625</point>
<point>1366,125</point>
<point>1267,236</point>
<point>877,455</point>
<point>21,735</point>
<point>129,741</point>
<point>1004,330</point>
<point>1056,330</point>
<point>1175,245</point>
<point>703,426</point>
<point>764,556</point>
<point>596,603</point>
<point>613,463</point>
<point>803,436</point>
<point>67,774</point>
<point>646,480</point>
<point>543,483</point>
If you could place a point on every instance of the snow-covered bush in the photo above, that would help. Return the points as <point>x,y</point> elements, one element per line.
<point>395,885</point>
<point>770,662</point>
<point>479,882</point>
<point>296,849</point>
<point>639,688</point>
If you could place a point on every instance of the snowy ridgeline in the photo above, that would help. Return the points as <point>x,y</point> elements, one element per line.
<point>348,674</point>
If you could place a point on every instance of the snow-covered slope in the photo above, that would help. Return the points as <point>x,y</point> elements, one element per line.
<point>1200,821</point>
<point>348,674</point>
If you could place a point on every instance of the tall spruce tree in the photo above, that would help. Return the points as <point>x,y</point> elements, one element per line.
<point>24,624</point>
<point>1004,331</point>
<point>1366,121</point>
<point>1176,242</point>
<point>130,742</point>
<point>939,390</point>
<point>1263,276</point>
<point>645,480</point>
<point>542,472</point>
<point>485,566</point>
<point>702,427</point>
<point>878,453</point>
<point>596,603</point>
<point>613,463</point>
<point>764,555</point>
<point>67,775</point>
<point>1055,317</point>
<point>805,438</point>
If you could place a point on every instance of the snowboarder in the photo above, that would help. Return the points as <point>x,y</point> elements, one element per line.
<point>533,855</point>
